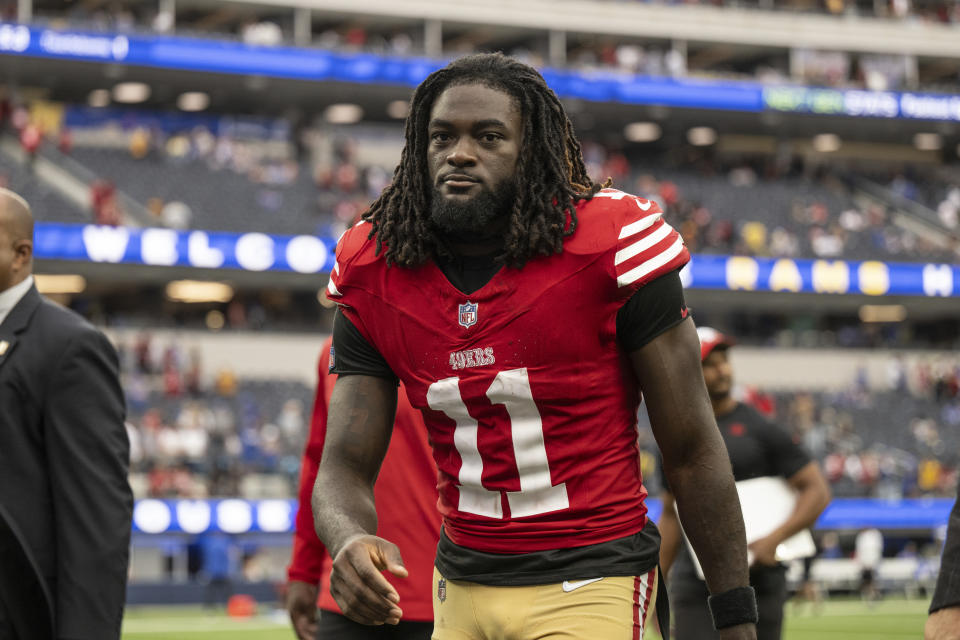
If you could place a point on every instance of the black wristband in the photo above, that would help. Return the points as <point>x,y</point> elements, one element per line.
<point>730,608</point>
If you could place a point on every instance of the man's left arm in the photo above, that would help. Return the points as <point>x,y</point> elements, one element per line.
<point>813,496</point>
<point>88,458</point>
<point>697,468</point>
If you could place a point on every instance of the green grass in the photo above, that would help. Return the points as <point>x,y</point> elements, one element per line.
<point>891,619</point>
<point>855,620</point>
<point>194,623</point>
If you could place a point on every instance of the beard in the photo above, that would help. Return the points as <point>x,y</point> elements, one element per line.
<point>721,389</point>
<point>478,218</point>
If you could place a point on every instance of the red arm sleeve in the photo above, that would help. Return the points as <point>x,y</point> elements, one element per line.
<point>308,551</point>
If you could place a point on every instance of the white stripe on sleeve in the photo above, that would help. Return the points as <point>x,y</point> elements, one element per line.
<point>651,265</point>
<point>642,244</point>
<point>636,227</point>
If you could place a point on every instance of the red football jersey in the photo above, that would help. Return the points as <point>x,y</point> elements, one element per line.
<point>406,499</point>
<point>529,401</point>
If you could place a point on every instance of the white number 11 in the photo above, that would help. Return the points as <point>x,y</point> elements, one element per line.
<point>537,495</point>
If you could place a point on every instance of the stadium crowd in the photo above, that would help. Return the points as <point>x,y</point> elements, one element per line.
<point>196,436</point>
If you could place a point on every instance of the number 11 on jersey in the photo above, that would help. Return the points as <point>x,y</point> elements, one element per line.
<point>537,494</point>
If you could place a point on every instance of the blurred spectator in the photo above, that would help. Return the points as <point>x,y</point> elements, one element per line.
<point>869,553</point>
<point>65,140</point>
<point>264,34</point>
<point>30,139</point>
<point>103,202</point>
<point>139,143</point>
<point>176,215</point>
<point>217,551</point>
<point>226,382</point>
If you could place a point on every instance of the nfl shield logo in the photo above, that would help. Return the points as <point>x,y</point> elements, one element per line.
<point>442,590</point>
<point>468,314</point>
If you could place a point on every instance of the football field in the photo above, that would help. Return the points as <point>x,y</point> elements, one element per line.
<point>890,619</point>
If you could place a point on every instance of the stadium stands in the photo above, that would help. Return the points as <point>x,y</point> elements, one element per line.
<point>47,202</point>
<point>219,199</point>
<point>648,55</point>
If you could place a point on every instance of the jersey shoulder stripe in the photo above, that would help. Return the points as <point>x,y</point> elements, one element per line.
<point>673,257</point>
<point>645,246</point>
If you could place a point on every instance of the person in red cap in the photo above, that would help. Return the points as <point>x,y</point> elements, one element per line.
<point>757,449</point>
<point>406,507</point>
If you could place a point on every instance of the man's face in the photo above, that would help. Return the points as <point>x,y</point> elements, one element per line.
<point>474,134</point>
<point>14,259</point>
<point>7,256</point>
<point>718,374</point>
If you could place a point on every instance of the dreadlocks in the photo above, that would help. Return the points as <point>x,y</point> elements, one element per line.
<point>550,172</point>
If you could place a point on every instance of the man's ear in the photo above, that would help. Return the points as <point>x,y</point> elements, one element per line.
<point>23,253</point>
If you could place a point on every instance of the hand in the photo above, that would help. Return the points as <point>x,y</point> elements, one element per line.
<point>764,551</point>
<point>357,585</point>
<point>943,625</point>
<point>302,607</point>
<point>746,631</point>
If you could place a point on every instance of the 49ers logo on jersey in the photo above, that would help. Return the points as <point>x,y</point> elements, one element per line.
<point>472,358</point>
<point>468,314</point>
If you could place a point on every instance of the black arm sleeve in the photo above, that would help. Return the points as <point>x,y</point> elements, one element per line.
<point>947,593</point>
<point>352,354</point>
<point>650,311</point>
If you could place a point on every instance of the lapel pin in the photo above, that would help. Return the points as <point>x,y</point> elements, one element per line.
<point>4,345</point>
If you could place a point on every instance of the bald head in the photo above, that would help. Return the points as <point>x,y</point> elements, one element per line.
<point>16,239</point>
<point>15,216</point>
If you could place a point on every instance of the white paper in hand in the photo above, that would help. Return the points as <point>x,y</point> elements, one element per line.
<point>767,503</point>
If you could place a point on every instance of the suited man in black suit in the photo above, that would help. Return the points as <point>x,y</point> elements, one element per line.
<point>944,620</point>
<point>65,503</point>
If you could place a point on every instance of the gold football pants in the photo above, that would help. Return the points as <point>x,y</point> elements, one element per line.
<point>612,608</point>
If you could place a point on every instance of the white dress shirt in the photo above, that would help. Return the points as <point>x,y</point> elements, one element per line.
<point>10,297</point>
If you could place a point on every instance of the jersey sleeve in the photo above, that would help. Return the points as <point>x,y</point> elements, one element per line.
<point>651,311</point>
<point>645,247</point>
<point>353,354</point>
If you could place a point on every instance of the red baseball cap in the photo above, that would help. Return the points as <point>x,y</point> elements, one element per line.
<point>711,339</point>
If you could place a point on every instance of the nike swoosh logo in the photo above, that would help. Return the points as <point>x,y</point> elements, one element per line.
<point>569,586</point>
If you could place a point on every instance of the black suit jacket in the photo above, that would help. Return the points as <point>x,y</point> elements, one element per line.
<point>64,456</point>
<point>947,593</point>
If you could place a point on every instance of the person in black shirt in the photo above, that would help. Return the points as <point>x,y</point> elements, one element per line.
<point>944,620</point>
<point>757,449</point>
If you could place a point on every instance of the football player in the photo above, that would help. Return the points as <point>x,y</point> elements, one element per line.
<point>525,307</point>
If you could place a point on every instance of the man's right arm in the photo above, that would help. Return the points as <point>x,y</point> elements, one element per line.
<point>359,425</point>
